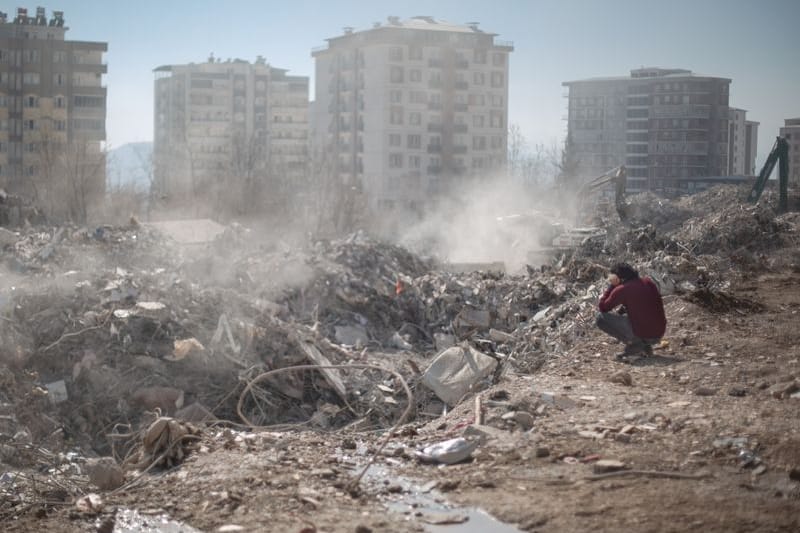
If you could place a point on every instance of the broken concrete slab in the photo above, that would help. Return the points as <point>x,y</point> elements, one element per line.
<point>454,371</point>
<point>473,318</point>
<point>351,335</point>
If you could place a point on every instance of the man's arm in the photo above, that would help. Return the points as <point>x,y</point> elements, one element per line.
<point>611,298</point>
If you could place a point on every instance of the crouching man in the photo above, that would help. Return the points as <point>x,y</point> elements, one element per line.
<point>645,322</point>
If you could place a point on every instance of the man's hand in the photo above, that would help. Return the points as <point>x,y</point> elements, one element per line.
<point>613,279</point>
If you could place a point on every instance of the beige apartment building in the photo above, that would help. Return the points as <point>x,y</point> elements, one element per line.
<point>791,132</point>
<point>742,144</point>
<point>667,126</point>
<point>52,110</point>
<point>227,129</point>
<point>409,109</point>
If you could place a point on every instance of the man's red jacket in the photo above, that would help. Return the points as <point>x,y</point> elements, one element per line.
<point>643,302</point>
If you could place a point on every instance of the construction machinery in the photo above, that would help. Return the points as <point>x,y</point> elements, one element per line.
<point>618,176</point>
<point>780,155</point>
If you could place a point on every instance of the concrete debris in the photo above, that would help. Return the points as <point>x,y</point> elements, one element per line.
<point>453,372</point>
<point>105,473</point>
<point>603,466</point>
<point>622,377</point>
<point>784,390</point>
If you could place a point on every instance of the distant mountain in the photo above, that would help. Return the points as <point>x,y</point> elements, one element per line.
<point>130,165</point>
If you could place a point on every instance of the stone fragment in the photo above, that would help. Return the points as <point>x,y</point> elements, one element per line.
<point>705,391</point>
<point>484,433</point>
<point>622,377</point>
<point>604,466</point>
<point>737,392</point>
<point>105,473</point>
<point>783,390</point>
<point>500,336</point>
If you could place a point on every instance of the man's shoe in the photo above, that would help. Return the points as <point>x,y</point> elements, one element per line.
<point>631,350</point>
<point>648,350</point>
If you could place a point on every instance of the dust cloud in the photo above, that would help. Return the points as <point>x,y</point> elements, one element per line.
<point>491,220</point>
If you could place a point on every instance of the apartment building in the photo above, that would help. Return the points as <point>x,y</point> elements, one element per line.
<point>742,144</point>
<point>791,132</point>
<point>52,107</point>
<point>408,109</point>
<point>663,124</point>
<point>220,124</point>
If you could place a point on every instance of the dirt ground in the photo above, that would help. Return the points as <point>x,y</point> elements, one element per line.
<point>705,443</point>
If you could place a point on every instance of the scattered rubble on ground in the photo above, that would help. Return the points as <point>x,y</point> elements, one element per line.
<point>125,353</point>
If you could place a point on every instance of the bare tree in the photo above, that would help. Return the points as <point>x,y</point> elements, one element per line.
<point>70,175</point>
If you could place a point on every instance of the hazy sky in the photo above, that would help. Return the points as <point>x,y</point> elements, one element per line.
<point>752,42</point>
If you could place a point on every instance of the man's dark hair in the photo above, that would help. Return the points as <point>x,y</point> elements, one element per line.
<point>624,271</point>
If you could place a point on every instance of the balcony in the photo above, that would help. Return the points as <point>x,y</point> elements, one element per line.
<point>435,128</point>
<point>435,106</point>
<point>435,84</point>
<point>460,107</point>
<point>435,62</point>
<point>459,128</point>
<point>459,149</point>
<point>461,85</point>
<point>434,148</point>
<point>434,169</point>
<point>462,64</point>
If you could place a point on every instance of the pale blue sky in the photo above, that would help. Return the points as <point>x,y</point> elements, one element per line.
<point>752,42</point>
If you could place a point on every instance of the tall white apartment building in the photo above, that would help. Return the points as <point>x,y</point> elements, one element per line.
<point>409,109</point>
<point>218,122</point>
<point>791,132</point>
<point>742,143</point>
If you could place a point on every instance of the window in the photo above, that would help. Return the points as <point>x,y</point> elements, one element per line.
<point>58,79</point>
<point>478,78</point>
<point>415,75</point>
<point>30,56</point>
<point>497,79</point>
<point>415,141</point>
<point>477,99</point>
<point>479,143</point>
<point>479,57</point>
<point>415,52</point>
<point>415,118</point>
<point>395,96</point>
<point>396,75</point>
<point>395,53</point>
<point>31,101</point>
<point>395,139</point>
<point>498,59</point>
<point>496,119</point>
<point>418,97</point>
<point>396,116</point>
<point>61,125</point>
<point>436,141</point>
<point>395,160</point>
<point>414,161</point>
<point>59,56</point>
<point>30,78</point>
<point>497,100</point>
<point>478,121</point>
<point>59,100</point>
<point>88,101</point>
<point>29,125</point>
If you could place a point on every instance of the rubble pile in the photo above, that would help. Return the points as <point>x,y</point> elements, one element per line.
<point>119,327</point>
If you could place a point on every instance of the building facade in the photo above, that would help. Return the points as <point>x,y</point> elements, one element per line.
<point>742,143</point>
<point>663,124</point>
<point>52,109</point>
<point>408,109</point>
<point>228,129</point>
<point>791,132</point>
